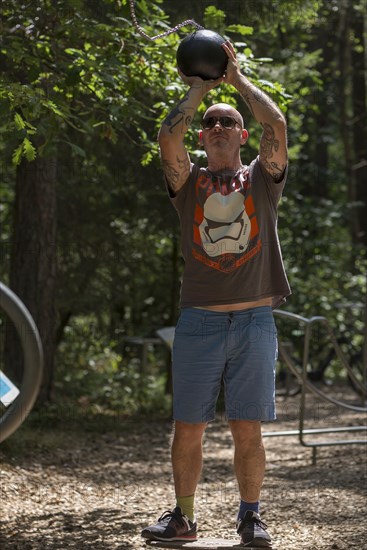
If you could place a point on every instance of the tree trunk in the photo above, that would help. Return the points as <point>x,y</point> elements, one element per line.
<point>321,137</point>
<point>33,259</point>
<point>346,113</point>
<point>314,158</point>
<point>359,127</point>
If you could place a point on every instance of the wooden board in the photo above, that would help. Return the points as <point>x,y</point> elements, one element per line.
<point>200,544</point>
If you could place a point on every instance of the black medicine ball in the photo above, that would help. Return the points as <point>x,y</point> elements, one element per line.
<point>201,54</point>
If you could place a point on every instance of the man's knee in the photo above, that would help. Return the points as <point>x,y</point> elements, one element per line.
<point>189,432</point>
<point>246,432</point>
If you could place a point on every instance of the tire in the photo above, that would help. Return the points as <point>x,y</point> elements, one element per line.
<point>30,340</point>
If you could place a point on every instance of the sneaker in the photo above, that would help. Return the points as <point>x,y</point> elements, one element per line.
<point>253,531</point>
<point>171,526</point>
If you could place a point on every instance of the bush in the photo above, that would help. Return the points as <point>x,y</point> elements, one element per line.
<point>104,377</point>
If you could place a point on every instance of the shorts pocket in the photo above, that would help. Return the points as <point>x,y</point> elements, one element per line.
<point>265,323</point>
<point>188,327</point>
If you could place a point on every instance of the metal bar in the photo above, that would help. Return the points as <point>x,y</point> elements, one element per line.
<point>336,442</point>
<point>341,356</point>
<point>307,385</point>
<point>316,431</point>
<point>306,349</point>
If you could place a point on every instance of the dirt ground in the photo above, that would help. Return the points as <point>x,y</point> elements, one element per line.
<point>75,488</point>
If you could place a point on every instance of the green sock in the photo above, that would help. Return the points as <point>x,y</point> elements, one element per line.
<point>187,506</point>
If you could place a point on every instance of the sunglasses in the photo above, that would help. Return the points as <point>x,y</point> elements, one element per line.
<point>226,122</point>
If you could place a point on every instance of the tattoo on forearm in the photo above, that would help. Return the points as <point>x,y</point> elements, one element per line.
<point>253,95</point>
<point>188,120</point>
<point>261,97</point>
<point>176,172</point>
<point>268,145</point>
<point>179,116</point>
<point>256,100</point>
<point>268,141</point>
<point>263,108</point>
<point>174,118</point>
<point>170,171</point>
<point>247,99</point>
<point>184,164</point>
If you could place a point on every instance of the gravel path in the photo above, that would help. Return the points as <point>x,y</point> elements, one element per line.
<point>81,489</point>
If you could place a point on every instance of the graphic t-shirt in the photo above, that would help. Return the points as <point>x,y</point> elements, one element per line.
<point>229,237</point>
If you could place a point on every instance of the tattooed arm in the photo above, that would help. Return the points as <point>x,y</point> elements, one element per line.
<point>174,156</point>
<point>273,143</point>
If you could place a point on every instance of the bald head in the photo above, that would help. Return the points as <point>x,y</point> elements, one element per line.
<point>223,109</point>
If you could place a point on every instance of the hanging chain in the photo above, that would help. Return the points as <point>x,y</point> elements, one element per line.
<point>170,31</point>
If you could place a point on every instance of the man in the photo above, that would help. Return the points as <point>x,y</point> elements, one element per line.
<point>233,277</point>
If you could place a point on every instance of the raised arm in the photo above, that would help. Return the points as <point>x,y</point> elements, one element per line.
<point>174,156</point>
<point>273,144</point>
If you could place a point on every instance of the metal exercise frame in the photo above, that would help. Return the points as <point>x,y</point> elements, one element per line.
<point>306,385</point>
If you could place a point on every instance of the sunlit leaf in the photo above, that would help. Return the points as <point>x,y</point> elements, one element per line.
<point>19,122</point>
<point>29,150</point>
<point>244,30</point>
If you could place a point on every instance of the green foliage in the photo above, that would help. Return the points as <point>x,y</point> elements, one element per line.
<point>106,377</point>
<point>73,70</point>
<point>243,30</point>
<point>214,19</point>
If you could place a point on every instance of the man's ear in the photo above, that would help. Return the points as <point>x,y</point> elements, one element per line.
<point>244,136</point>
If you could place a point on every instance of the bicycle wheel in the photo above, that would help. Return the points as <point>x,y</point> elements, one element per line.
<point>20,399</point>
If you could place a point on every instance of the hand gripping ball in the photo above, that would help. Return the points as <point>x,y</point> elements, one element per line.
<point>200,54</point>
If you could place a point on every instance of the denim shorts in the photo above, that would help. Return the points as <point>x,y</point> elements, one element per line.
<point>239,348</point>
